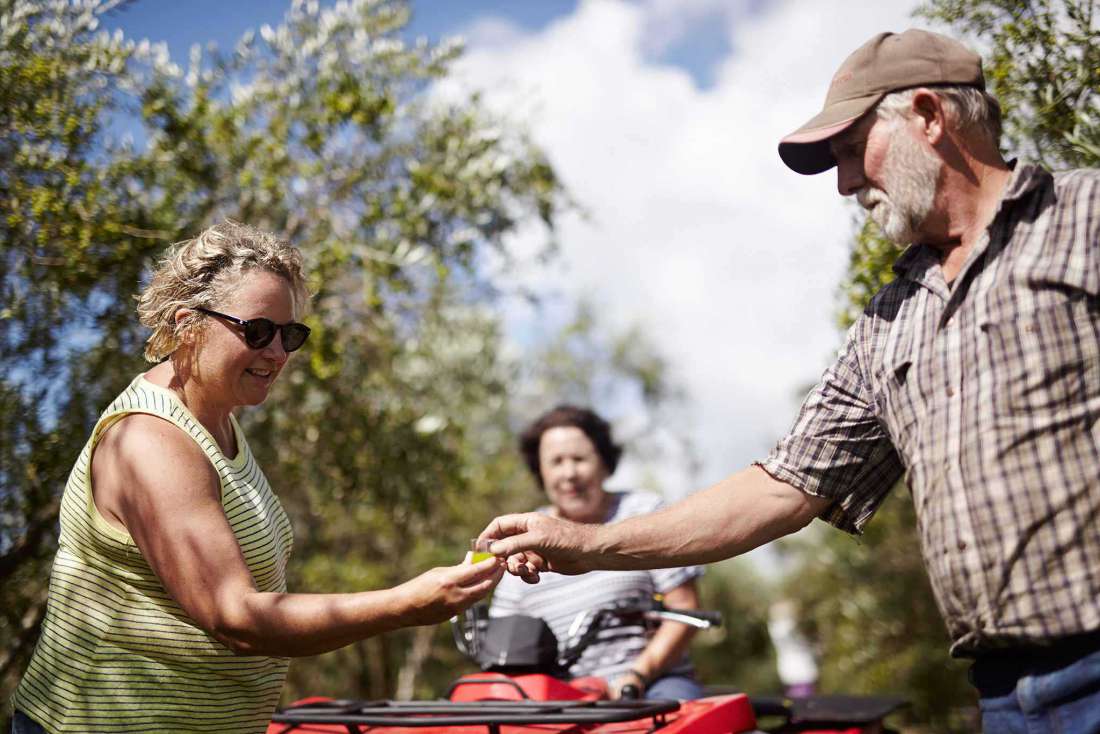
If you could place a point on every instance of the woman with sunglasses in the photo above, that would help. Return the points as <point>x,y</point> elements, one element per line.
<point>168,608</point>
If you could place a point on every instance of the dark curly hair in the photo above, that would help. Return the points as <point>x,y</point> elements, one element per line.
<point>570,416</point>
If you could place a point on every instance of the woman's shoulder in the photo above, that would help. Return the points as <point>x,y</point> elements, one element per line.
<point>141,439</point>
<point>146,424</point>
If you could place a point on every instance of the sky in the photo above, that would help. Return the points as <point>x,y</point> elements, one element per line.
<point>662,119</point>
<point>695,229</point>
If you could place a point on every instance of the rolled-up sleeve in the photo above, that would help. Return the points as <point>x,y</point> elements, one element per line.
<point>837,448</point>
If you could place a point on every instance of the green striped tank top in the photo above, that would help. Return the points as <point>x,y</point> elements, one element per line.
<point>116,653</point>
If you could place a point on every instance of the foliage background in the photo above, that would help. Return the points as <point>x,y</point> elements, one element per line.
<point>392,436</point>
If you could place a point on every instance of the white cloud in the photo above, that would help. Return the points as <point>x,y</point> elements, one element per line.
<point>696,228</point>
<point>664,22</point>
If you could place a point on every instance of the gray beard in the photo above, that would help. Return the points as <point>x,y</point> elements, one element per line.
<point>910,173</point>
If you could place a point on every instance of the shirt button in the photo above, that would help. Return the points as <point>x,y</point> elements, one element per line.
<point>962,545</point>
<point>950,392</point>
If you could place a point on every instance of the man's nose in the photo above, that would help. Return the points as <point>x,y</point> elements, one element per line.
<point>849,177</point>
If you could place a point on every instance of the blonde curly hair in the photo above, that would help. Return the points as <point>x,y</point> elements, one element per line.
<point>200,272</point>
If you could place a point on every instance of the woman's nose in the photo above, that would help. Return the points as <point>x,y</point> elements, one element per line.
<point>275,350</point>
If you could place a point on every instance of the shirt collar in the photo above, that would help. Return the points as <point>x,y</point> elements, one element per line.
<point>1026,177</point>
<point>918,262</point>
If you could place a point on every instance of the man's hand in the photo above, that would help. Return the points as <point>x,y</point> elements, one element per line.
<point>532,543</point>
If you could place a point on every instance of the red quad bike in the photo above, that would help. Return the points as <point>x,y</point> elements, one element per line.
<point>525,690</point>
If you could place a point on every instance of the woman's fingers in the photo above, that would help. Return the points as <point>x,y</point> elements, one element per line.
<point>472,591</point>
<point>484,586</point>
<point>466,573</point>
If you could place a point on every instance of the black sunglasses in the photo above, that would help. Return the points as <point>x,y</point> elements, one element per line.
<point>258,333</point>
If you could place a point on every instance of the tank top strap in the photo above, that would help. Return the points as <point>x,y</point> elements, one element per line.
<point>142,396</point>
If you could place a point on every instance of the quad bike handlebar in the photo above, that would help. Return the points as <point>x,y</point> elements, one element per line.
<point>484,640</point>
<point>586,626</point>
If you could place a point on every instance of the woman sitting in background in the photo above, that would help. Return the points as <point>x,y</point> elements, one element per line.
<point>168,609</point>
<point>570,452</point>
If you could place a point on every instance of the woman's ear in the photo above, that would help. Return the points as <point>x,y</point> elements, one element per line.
<point>188,336</point>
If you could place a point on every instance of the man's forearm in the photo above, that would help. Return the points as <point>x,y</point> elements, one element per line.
<point>739,513</point>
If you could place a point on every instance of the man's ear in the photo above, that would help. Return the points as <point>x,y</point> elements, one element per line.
<point>928,109</point>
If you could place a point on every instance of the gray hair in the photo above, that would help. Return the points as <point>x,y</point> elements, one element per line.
<point>200,272</point>
<point>974,110</point>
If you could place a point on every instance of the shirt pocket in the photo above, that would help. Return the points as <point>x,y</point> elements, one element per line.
<point>1046,358</point>
<point>898,401</point>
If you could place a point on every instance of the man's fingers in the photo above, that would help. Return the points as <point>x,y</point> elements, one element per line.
<point>506,526</point>
<point>512,545</point>
<point>514,565</point>
<point>529,572</point>
<point>526,567</point>
<point>534,561</point>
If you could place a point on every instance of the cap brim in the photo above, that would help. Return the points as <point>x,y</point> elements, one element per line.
<point>807,150</point>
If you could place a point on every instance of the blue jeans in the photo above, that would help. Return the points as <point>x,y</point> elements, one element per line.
<point>1043,700</point>
<point>681,687</point>
<point>23,724</point>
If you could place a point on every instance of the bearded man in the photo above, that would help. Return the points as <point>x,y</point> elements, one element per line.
<point>975,376</point>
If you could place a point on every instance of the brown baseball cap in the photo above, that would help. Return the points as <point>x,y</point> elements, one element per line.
<point>886,63</point>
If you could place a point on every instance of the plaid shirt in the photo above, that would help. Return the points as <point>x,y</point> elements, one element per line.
<point>986,397</point>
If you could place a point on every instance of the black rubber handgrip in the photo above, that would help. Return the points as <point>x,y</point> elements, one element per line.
<point>630,692</point>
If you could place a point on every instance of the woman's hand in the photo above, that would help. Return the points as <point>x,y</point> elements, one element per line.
<point>439,594</point>
<point>629,678</point>
<point>668,643</point>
